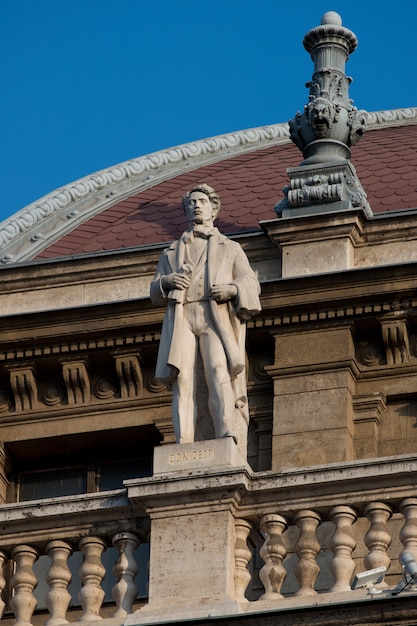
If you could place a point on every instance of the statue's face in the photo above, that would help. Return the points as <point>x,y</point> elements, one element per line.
<point>199,208</point>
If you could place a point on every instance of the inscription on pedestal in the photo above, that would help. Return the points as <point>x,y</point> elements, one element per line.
<point>194,455</point>
<point>197,455</point>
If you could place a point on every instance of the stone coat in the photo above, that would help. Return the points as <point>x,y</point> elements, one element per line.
<point>226,264</point>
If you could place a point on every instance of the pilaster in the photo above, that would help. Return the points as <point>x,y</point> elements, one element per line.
<point>314,381</point>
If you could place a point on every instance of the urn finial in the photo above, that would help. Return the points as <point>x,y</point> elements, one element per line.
<point>329,124</point>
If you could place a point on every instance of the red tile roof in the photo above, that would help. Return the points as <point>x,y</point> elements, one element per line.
<point>249,186</point>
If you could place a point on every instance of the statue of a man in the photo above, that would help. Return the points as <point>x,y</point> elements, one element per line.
<point>210,291</point>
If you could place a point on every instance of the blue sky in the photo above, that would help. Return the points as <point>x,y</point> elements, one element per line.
<point>87,84</point>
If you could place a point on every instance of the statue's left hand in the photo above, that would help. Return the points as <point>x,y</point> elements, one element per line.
<point>223,293</point>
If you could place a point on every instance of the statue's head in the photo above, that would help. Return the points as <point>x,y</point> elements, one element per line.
<point>209,192</point>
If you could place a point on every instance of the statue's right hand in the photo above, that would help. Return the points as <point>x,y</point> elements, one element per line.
<point>175,281</point>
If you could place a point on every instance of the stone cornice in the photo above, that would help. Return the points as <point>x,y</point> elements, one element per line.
<point>39,224</point>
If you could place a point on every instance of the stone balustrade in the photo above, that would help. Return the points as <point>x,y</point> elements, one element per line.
<point>58,575</point>
<point>86,568</point>
<point>285,539</point>
<point>309,552</point>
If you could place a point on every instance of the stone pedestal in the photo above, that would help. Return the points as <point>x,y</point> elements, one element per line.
<point>192,518</point>
<point>201,455</point>
<point>317,243</point>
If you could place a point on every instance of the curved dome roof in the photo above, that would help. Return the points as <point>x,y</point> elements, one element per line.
<point>138,202</point>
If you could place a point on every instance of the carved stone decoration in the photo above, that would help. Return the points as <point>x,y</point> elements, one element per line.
<point>395,336</point>
<point>322,187</point>
<point>153,385</point>
<point>77,381</point>
<point>370,353</point>
<point>23,583</point>
<point>58,578</point>
<point>25,388</point>
<point>329,123</point>
<point>104,388</point>
<point>258,365</point>
<point>242,558</point>
<point>130,375</point>
<point>307,549</point>
<point>326,129</point>
<point>53,394</point>
<point>273,552</point>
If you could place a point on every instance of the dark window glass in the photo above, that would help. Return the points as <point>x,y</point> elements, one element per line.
<point>52,483</point>
<point>113,474</point>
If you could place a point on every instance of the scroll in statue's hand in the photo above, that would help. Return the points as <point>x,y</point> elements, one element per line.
<point>223,293</point>
<point>176,280</point>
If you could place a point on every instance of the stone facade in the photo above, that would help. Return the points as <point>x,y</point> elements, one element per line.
<point>103,516</point>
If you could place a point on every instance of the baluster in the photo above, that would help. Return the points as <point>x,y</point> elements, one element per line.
<point>58,578</point>
<point>307,549</point>
<point>242,558</point>
<point>273,552</point>
<point>408,533</point>
<point>3,559</point>
<point>342,544</point>
<point>378,539</point>
<point>91,573</point>
<point>125,569</point>
<point>23,583</point>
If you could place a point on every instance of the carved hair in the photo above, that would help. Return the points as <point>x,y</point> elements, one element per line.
<point>209,191</point>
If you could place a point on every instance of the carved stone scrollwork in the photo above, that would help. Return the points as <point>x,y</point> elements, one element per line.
<point>77,381</point>
<point>258,366</point>
<point>130,375</point>
<point>395,335</point>
<point>322,184</point>
<point>52,394</point>
<point>315,189</point>
<point>25,388</point>
<point>370,353</point>
<point>153,385</point>
<point>355,192</point>
<point>104,388</point>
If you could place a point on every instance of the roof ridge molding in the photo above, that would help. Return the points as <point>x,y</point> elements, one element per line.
<point>393,117</point>
<point>26,233</point>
